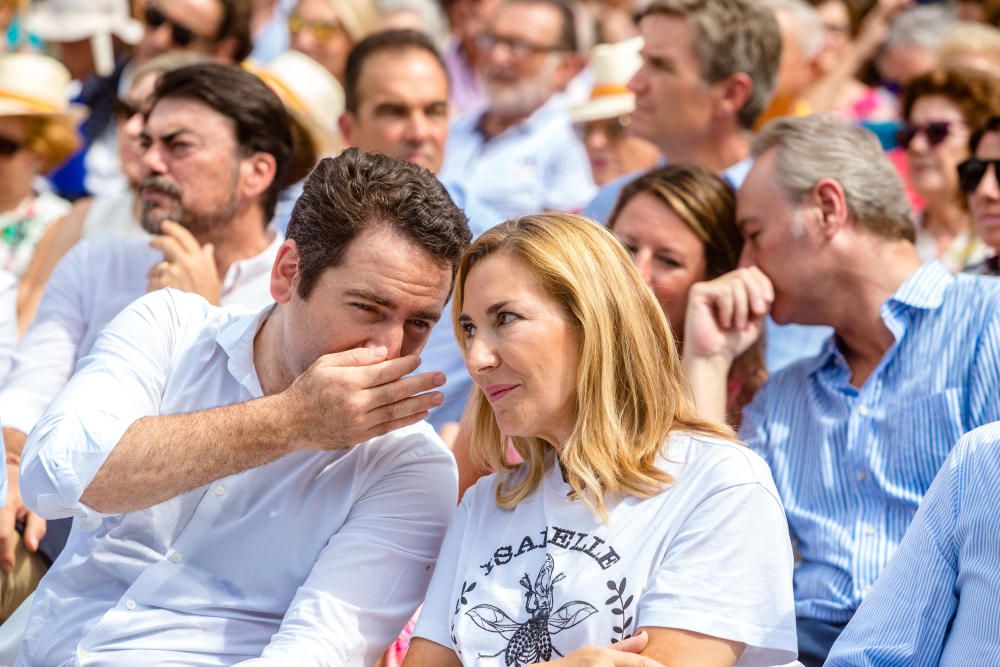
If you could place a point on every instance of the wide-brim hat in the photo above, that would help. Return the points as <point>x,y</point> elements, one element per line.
<point>77,20</point>
<point>612,66</point>
<point>312,96</point>
<point>35,85</point>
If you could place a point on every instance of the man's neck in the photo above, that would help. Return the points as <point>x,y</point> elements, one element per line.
<point>494,123</point>
<point>870,281</point>
<point>716,151</point>
<point>245,236</point>
<point>272,370</point>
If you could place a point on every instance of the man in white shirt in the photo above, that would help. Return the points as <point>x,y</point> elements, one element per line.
<point>219,146</point>
<point>297,523</point>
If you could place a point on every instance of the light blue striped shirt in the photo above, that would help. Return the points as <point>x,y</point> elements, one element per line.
<point>853,464</point>
<point>938,600</point>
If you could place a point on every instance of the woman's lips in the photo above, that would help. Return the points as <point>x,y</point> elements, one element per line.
<point>496,392</point>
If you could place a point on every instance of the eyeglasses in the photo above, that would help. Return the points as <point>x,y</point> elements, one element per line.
<point>935,132</point>
<point>321,30</point>
<point>124,110</point>
<point>971,172</point>
<point>8,146</point>
<point>519,48</point>
<point>180,35</point>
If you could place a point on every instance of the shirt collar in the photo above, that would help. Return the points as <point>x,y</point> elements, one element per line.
<point>554,107</point>
<point>925,288</point>
<point>236,340</point>
<point>239,271</point>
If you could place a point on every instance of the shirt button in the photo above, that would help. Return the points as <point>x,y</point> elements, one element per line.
<point>863,410</point>
<point>869,531</point>
<point>176,557</point>
<point>862,475</point>
<point>219,490</point>
<point>130,604</point>
<point>82,653</point>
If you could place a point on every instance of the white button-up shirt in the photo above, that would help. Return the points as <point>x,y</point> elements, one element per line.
<point>317,558</point>
<point>90,285</point>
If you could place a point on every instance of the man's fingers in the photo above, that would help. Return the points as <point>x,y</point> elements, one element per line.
<point>393,392</point>
<point>741,304</point>
<point>181,234</point>
<point>390,370</point>
<point>421,403</point>
<point>170,247</point>
<point>8,540</point>
<point>359,356</point>
<point>34,530</point>
<point>724,306</point>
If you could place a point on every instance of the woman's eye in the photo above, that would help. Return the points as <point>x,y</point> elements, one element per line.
<point>669,261</point>
<point>506,318</point>
<point>469,329</point>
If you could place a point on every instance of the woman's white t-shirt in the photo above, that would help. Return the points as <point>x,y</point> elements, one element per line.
<point>709,554</point>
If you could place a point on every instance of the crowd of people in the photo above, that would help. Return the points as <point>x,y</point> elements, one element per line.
<point>589,333</point>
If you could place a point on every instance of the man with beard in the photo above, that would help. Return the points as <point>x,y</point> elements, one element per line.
<point>519,154</point>
<point>218,145</point>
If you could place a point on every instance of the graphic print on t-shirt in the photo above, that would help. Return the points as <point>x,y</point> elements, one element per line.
<point>531,641</point>
<point>529,634</point>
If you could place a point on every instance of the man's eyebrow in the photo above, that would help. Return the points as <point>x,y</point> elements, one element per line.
<point>371,296</point>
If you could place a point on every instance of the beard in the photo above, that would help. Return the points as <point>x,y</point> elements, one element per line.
<point>526,95</point>
<point>155,212</point>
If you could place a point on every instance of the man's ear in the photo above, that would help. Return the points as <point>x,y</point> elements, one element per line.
<point>285,272</point>
<point>734,92</point>
<point>829,196</point>
<point>347,124</point>
<point>258,171</point>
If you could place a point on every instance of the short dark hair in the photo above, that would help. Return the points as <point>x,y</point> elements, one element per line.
<point>236,16</point>
<point>568,39</point>
<point>379,42</point>
<point>259,118</point>
<point>355,191</point>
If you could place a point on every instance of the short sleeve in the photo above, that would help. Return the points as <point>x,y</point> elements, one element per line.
<point>728,574</point>
<point>434,623</point>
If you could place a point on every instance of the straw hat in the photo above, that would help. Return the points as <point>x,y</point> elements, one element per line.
<point>76,20</point>
<point>35,85</point>
<point>313,97</point>
<point>612,66</point>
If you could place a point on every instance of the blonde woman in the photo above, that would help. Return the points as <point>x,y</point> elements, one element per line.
<point>629,515</point>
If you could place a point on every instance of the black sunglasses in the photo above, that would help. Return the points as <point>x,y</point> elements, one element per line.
<point>971,172</point>
<point>936,132</point>
<point>180,35</point>
<point>8,146</point>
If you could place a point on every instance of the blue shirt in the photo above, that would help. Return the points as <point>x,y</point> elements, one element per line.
<point>852,464</point>
<point>536,165</point>
<point>937,601</point>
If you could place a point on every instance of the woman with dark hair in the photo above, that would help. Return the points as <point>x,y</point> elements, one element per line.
<point>679,224</point>
<point>940,110</point>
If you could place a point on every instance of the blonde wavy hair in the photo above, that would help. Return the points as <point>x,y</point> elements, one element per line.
<point>630,392</point>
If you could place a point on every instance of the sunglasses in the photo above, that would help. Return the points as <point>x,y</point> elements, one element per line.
<point>8,146</point>
<point>180,35</point>
<point>321,30</point>
<point>124,110</point>
<point>971,172</point>
<point>935,132</point>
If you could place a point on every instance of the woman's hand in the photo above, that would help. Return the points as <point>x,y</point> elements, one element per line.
<point>620,654</point>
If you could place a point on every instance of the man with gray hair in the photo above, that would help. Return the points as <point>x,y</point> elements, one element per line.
<point>911,47</point>
<point>854,435</point>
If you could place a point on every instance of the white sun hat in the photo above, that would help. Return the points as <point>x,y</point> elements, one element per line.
<point>612,66</point>
<point>77,20</point>
<point>35,85</point>
<point>313,97</point>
